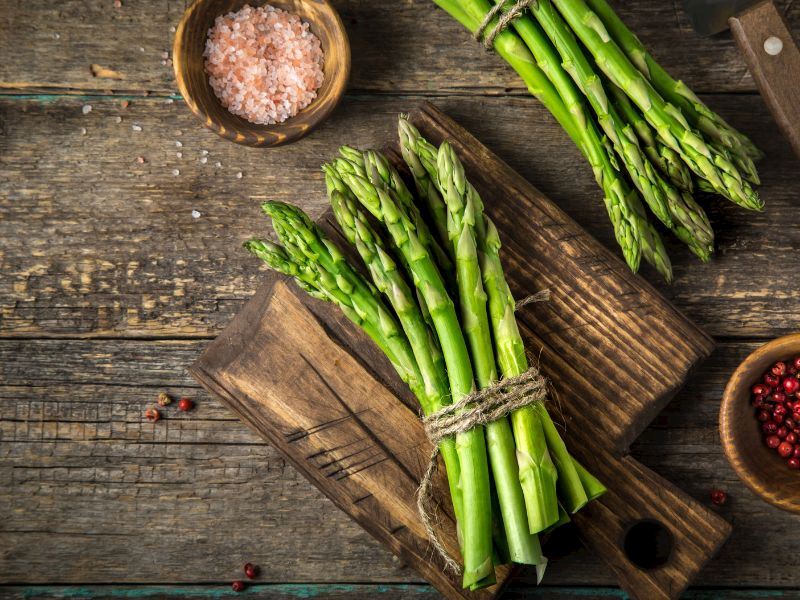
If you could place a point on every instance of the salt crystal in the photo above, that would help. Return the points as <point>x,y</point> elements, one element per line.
<point>165,55</point>
<point>204,152</point>
<point>195,214</point>
<point>56,36</point>
<point>172,29</point>
<point>169,101</point>
<point>262,63</point>
<point>140,160</point>
<point>239,175</point>
<point>117,3</point>
<point>117,119</point>
<point>86,109</point>
<point>178,144</point>
<point>176,172</point>
<point>179,154</point>
<point>83,130</point>
<point>136,127</point>
<point>203,160</point>
<point>141,48</point>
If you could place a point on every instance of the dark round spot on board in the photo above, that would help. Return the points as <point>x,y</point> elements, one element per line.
<point>647,544</point>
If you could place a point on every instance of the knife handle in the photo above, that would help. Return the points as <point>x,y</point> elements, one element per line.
<point>774,61</point>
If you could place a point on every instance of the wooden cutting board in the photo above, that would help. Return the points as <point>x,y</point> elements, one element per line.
<point>301,375</point>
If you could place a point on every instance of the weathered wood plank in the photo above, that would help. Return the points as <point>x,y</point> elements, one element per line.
<point>330,591</point>
<point>94,244</point>
<point>407,46</point>
<point>76,458</point>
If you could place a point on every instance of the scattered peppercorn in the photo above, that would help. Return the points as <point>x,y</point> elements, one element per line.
<point>251,571</point>
<point>718,497</point>
<point>152,414</point>
<point>776,400</point>
<point>237,586</point>
<point>164,399</point>
<point>185,404</point>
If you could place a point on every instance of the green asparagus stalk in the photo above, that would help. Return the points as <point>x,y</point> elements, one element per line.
<point>373,167</point>
<point>665,158</point>
<point>471,446</point>
<point>417,158</point>
<point>678,93</point>
<point>390,282</point>
<point>623,140</point>
<point>523,546</point>
<point>618,197</point>
<point>320,267</point>
<point>666,119</point>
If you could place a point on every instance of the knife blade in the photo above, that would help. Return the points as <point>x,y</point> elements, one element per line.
<point>709,17</point>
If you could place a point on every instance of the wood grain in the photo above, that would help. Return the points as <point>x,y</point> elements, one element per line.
<point>591,291</point>
<point>192,79</point>
<point>777,76</point>
<point>110,247</point>
<point>76,456</point>
<point>430,52</point>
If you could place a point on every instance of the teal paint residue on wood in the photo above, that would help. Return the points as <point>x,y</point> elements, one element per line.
<point>88,98</point>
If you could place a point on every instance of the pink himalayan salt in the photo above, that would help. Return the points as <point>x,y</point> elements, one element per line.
<point>264,63</point>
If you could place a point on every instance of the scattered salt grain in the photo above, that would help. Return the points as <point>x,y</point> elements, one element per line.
<point>179,154</point>
<point>204,152</point>
<point>165,55</point>
<point>178,144</point>
<point>239,175</point>
<point>203,160</point>
<point>136,127</point>
<point>172,29</point>
<point>56,36</point>
<point>264,63</point>
<point>169,101</point>
<point>86,109</point>
<point>83,130</point>
<point>117,3</point>
<point>218,164</point>
<point>140,160</point>
<point>195,214</point>
<point>163,62</point>
<point>141,48</point>
<point>117,119</point>
<point>176,172</point>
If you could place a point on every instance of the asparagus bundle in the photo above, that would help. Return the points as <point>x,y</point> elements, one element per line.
<point>645,134</point>
<point>510,477</point>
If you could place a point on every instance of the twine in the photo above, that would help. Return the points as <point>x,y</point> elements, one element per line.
<point>504,21</point>
<point>473,410</point>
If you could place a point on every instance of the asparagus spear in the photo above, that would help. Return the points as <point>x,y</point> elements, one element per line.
<point>623,141</point>
<point>391,283</point>
<point>471,446</point>
<point>702,158</point>
<point>663,157</point>
<point>679,94</point>
<point>523,547</point>
<point>421,160</point>
<point>618,197</point>
<point>320,268</point>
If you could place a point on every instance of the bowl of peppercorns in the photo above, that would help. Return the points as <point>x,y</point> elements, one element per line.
<point>759,422</point>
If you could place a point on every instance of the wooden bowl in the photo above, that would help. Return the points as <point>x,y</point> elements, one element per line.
<point>760,468</point>
<point>190,42</point>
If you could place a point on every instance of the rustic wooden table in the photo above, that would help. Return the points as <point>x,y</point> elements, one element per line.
<point>111,285</point>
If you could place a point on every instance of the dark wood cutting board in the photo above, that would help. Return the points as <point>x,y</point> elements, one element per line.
<point>301,375</point>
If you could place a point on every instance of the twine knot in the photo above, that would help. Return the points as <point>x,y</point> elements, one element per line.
<point>473,410</point>
<point>504,21</point>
